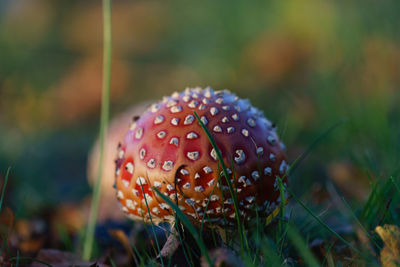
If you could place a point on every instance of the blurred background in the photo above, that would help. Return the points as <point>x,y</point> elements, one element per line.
<point>308,66</point>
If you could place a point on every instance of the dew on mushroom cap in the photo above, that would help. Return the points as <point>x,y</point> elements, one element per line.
<point>167,149</point>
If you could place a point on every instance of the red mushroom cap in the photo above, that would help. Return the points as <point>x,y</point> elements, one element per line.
<point>166,148</point>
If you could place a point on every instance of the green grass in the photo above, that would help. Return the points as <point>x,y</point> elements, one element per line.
<point>105,107</point>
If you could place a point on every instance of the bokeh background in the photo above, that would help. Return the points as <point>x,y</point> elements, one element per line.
<point>307,65</point>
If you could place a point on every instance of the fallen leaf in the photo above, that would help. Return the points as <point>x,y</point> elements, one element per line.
<point>390,254</point>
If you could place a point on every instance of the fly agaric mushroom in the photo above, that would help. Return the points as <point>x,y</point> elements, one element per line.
<point>167,149</point>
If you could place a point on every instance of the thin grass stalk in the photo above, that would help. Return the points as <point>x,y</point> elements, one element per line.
<point>3,191</point>
<point>105,106</point>
<point>302,247</point>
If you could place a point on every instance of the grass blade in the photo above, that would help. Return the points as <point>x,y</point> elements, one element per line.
<point>3,191</point>
<point>105,103</point>
<point>301,246</point>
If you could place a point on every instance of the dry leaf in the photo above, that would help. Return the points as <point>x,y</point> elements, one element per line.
<point>390,254</point>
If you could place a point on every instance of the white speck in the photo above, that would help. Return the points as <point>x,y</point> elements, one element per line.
<point>193,155</point>
<point>139,133</point>
<point>154,108</point>
<point>168,165</point>
<point>204,120</point>
<point>245,132</point>
<point>198,189</point>
<point>207,169</point>
<point>230,129</point>
<point>283,167</point>
<point>142,153</point>
<point>190,201</point>
<point>135,192</point>
<point>251,122</point>
<point>197,175</point>
<point>206,101</point>
<point>133,126</point>
<point>129,167</point>
<point>188,120</point>
<point>156,210</point>
<point>211,211</point>
<point>228,201</point>
<point>213,154</point>
<point>282,145</point>
<point>175,121</point>
<point>174,141</point>
<point>267,171</point>
<point>157,184</point>
<point>213,111</point>
<point>148,198</point>
<point>235,117</point>
<point>208,92</point>
<point>159,119</point>
<point>192,135</point>
<point>125,209</point>
<point>238,108</point>
<point>255,175</point>
<point>224,120</point>
<point>151,163</point>
<point>240,156</point>
<point>175,94</point>
<point>271,140</point>
<point>217,129</point>
<point>226,108</point>
<point>250,199</point>
<point>202,107</point>
<point>186,98</point>
<point>125,183</point>
<point>141,180</point>
<point>242,179</point>
<point>219,100</point>
<point>117,172</point>
<point>164,206</point>
<point>272,157</point>
<point>260,151</point>
<point>194,95</point>
<point>129,204</point>
<point>193,104</point>
<point>161,134</point>
<point>186,186</point>
<point>176,109</point>
<point>171,103</point>
<point>184,172</point>
<point>120,194</point>
<point>211,182</point>
<point>170,187</point>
